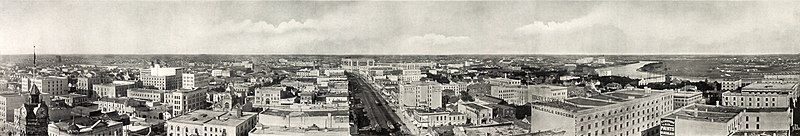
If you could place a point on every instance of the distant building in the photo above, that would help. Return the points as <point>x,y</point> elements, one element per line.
<point>212,123</point>
<point>111,90</point>
<point>622,112</point>
<point>221,73</point>
<point>321,118</point>
<point>684,98</point>
<point>503,81</point>
<point>153,95</point>
<point>85,83</point>
<point>166,78</point>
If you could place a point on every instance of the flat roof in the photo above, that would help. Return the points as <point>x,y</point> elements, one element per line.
<point>770,86</point>
<point>210,117</point>
<point>604,99</point>
<point>706,113</point>
<point>475,106</point>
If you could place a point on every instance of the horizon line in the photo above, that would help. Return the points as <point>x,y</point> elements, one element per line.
<point>455,54</point>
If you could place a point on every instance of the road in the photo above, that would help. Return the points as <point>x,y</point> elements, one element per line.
<point>382,119</point>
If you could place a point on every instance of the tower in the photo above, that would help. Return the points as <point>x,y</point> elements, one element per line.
<point>32,118</point>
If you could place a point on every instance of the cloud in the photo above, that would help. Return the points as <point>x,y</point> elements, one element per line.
<point>667,27</point>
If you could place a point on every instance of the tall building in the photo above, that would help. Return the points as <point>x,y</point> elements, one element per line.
<point>623,112</point>
<point>522,94</point>
<point>184,101</point>
<point>165,78</point>
<point>212,123</point>
<point>421,94</point>
<point>51,84</point>
<point>195,80</point>
<point>31,119</point>
<point>8,102</point>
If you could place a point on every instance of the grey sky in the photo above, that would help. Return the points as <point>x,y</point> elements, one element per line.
<point>400,27</point>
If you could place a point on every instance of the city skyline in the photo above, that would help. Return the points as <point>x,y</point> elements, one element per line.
<point>400,28</point>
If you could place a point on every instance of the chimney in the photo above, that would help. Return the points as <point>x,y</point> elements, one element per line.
<point>717,103</point>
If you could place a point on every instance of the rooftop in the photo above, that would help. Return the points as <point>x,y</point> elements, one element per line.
<point>769,86</point>
<point>212,117</point>
<point>604,99</point>
<point>475,106</point>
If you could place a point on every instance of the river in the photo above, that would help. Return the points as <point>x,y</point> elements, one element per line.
<point>632,71</point>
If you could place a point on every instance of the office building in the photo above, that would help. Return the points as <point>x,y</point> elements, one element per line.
<point>623,112</point>
<point>421,94</point>
<point>195,80</point>
<point>685,98</point>
<point>152,95</point>
<point>503,81</point>
<point>165,78</point>
<point>184,101</point>
<point>729,84</point>
<point>433,118</point>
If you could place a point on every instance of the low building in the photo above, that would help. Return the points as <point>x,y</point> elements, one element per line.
<point>111,90</point>
<point>213,123</point>
<point>699,119</point>
<point>432,118</point>
<point>72,99</point>
<point>730,84</point>
<point>86,83</point>
<point>153,95</point>
<point>476,114</point>
<point>502,111</point>
<point>267,96</point>
<point>761,95</point>
<point>685,98</point>
<point>85,126</point>
<point>321,118</point>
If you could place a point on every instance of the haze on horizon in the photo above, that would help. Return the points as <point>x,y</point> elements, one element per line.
<point>289,27</point>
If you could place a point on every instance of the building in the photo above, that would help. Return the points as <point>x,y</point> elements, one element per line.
<point>212,123</point>
<point>195,80</point>
<point>111,90</point>
<point>184,101</point>
<point>166,78</point>
<point>120,105</point>
<point>221,73</point>
<point>699,119</point>
<point>685,98</point>
<point>266,96</point>
<point>421,94</point>
<point>332,98</point>
<point>85,126</point>
<point>729,84</point>
<point>169,82</point>
<point>72,99</point>
<point>322,118</point>
<point>622,112</point>
<point>476,114</point>
<point>85,83</point>
<point>760,95</point>
<point>522,94</point>
<point>503,81</point>
<point>502,111</point>
<point>50,85</point>
<point>432,118</point>
<point>31,118</point>
<point>9,102</point>
<point>147,94</point>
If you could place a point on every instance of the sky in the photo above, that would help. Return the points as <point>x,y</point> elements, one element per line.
<point>496,27</point>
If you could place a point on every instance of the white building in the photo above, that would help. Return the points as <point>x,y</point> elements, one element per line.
<point>421,94</point>
<point>761,95</point>
<point>195,80</point>
<point>710,120</point>
<point>52,85</point>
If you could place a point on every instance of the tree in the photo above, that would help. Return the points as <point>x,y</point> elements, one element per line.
<point>466,97</point>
